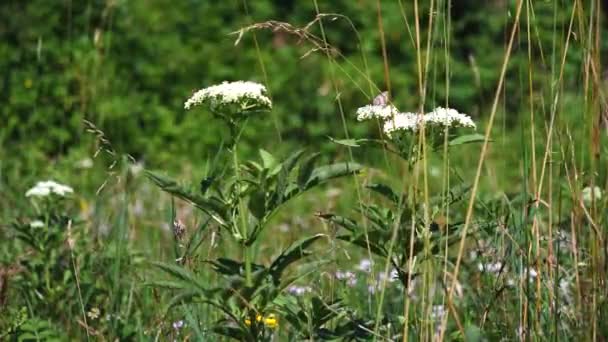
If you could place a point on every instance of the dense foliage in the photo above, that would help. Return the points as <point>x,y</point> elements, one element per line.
<point>125,66</point>
<point>143,199</point>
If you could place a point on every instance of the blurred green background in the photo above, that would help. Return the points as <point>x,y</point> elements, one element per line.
<point>128,67</point>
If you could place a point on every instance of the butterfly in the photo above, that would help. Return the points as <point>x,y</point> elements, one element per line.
<point>381,99</point>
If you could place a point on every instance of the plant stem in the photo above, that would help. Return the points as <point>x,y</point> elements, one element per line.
<point>236,133</point>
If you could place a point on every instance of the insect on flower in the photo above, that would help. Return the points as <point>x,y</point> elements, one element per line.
<point>381,99</point>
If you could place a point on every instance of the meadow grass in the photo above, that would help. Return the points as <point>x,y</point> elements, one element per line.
<point>418,237</point>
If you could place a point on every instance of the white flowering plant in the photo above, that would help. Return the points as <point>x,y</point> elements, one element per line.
<point>238,202</point>
<point>404,226</point>
<point>47,234</point>
<point>402,130</point>
<point>233,102</point>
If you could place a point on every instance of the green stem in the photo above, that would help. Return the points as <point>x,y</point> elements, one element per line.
<point>236,133</point>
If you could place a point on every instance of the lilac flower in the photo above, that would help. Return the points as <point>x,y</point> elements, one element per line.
<point>178,324</point>
<point>348,276</point>
<point>299,290</point>
<point>365,265</point>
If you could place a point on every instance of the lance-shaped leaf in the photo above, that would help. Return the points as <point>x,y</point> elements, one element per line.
<point>231,331</point>
<point>467,139</point>
<point>326,172</point>
<point>181,274</point>
<point>211,204</point>
<point>292,254</point>
<point>231,267</point>
<point>283,178</point>
<point>385,191</point>
<point>372,241</point>
<point>306,168</point>
<point>268,160</point>
<point>341,221</point>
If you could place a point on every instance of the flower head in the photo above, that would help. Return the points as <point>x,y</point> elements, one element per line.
<point>93,313</point>
<point>365,265</point>
<point>247,95</point>
<point>448,117</point>
<point>43,189</point>
<point>402,122</point>
<point>178,324</point>
<point>490,267</point>
<point>36,224</point>
<point>299,290</point>
<point>590,194</point>
<point>270,321</point>
<point>349,277</point>
<point>382,112</point>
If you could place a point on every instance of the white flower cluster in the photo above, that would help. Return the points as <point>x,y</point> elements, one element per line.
<point>43,189</point>
<point>376,112</point>
<point>494,267</point>
<point>448,117</point>
<point>244,93</point>
<point>402,122</point>
<point>397,121</point>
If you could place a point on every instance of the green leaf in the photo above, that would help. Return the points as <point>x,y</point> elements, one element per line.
<point>385,191</point>
<point>467,139</point>
<point>327,172</point>
<point>374,143</point>
<point>473,333</point>
<point>283,180</point>
<point>257,204</point>
<point>181,274</point>
<point>268,160</point>
<point>365,243</point>
<point>347,142</point>
<point>196,239</point>
<point>292,254</point>
<point>212,205</point>
<point>341,221</point>
<point>231,267</point>
<point>230,331</point>
<point>306,169</point>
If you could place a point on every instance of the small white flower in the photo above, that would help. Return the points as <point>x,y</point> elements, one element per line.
<point>490,268</point>
<point>136,168</point>
<point>402,122</point>
<point>448,117</point>
<point>38,191</point>
<point>437,312</point>
<point>244,93</point>
<point>178,324</point>
<point>36,224</point>
<point>589,194</point>
<point>85,163</point>
<point>376,112</point>
<point>348,276</point>
<point>42,189</point>
<point>532,273</point>
<point>299,290</point>
<point>365,265</point>
<point>391,277</point>
<point>93,313</point>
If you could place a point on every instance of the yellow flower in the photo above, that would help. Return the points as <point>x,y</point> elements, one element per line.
<point>28,83</point>
<point>258,318</point>
<point>269,321</point>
